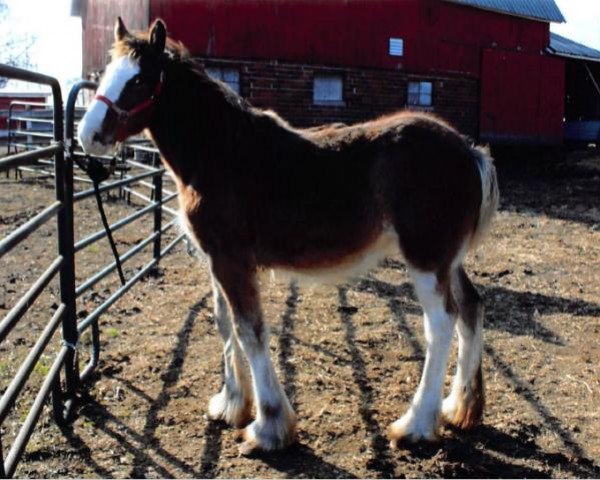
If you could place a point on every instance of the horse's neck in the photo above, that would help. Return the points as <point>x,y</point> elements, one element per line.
<point>192,125</point>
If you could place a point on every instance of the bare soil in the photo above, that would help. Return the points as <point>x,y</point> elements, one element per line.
<point>349,356</point>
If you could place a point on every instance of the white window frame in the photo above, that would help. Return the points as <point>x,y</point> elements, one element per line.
<point>419,94</point>
<point>228,75</point>
<point>328,89</point>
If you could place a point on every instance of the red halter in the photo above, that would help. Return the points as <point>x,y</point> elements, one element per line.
<point>123,115</point>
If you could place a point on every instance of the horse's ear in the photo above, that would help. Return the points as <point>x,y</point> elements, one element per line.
<point>158,35</point>
<point>120,30</point>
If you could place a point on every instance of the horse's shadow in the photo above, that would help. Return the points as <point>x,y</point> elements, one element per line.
<point>300,461</point>
<point>487,452</point>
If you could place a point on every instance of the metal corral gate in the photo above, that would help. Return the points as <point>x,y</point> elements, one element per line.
<point>63,378</point>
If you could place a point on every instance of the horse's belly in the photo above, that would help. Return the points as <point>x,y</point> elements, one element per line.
<point>347,267</point>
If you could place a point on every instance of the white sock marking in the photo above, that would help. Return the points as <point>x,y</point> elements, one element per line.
<point>439,324</point>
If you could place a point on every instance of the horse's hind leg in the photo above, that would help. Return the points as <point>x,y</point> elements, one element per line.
<point>274,427</point>
<point>464,406</point>
<point>421,421</point>
<point>233,403</point>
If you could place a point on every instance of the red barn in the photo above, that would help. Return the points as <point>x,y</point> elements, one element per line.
<point>8,97</point>
<point>482,64</point>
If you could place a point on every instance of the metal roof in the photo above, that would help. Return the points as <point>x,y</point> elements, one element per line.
<point>564,47</point>
<point>76,8</point>
<point>542,10</point>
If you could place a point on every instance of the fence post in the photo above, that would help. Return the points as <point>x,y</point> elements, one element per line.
<point>157,182</point>
<point>63,168</point>
<point>2,471</point>
<point>72,337</point>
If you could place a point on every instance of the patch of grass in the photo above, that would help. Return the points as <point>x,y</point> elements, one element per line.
<point>89,424</point>
<point>42,367</point>
<point>23,412</point>
<point>4,367</point>
<point>94,248</point>
<point>125,412</point>
<point>112,332</point>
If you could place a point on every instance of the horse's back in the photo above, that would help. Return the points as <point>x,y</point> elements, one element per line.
<point>326,194</point>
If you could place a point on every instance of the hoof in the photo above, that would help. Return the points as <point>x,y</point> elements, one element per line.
<point>463,408</point>
<point>268,436</point>
<point>411,429</point>
<point>463,411</point>
<point>233,408</point>
<point>250,448</point>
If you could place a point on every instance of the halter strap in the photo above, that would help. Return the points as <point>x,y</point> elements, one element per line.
<point>124,115</point>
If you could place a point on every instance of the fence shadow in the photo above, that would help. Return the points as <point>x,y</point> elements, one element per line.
<point>102,417</point>
<point>380,462</point>
<point>528,306</point>
<point>531,304</point>
<point>286,339</point>
<point>211,452</point>
<point>577,456</point>
<point>113,427</point>
<point>465,449</point>
<point>79,448</point>
<point>298,460</point>
<point>485,452</point>
<point>170,378</point>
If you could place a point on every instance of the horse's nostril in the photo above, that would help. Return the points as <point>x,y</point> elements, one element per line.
<point>97,138</point>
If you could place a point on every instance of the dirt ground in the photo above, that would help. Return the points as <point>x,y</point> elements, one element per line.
<point>349,356</point>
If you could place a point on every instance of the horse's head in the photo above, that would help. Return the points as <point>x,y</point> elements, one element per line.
<point>130,87</point>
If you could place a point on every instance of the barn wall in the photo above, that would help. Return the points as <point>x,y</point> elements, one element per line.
<point>453,37</point>
<point>521,98</point>
<point>288,89</point>
<point>438,36</point>
<point>442,40</point>
<point>98,19</point>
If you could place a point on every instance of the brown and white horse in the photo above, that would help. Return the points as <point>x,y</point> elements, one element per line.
<point>326,203</point>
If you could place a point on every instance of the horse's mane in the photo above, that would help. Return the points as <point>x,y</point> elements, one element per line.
<point>135,45</point>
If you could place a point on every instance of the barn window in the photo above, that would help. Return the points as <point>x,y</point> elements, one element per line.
<point>328,90</point>
<point>230,76</point>
<point>420,94</point>
<point>396,47</point>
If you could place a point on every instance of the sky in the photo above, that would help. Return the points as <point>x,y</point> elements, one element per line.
<point>57,47</point>
<point>583,21</point>
<point>57,50</point>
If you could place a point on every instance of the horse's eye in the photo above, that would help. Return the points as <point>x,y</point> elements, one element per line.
<point>137,81</point>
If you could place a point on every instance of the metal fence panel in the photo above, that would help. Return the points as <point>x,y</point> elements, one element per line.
<point>66,361</point>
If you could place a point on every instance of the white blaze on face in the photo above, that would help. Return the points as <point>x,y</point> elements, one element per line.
<point>117,74</point>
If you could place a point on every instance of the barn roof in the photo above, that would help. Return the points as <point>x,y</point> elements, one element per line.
<point>564,47</point>
<point>542,10</point>
<point>76,8</point>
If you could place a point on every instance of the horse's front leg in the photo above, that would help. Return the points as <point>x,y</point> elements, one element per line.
<point>233,403</point>
<point>274,426</point>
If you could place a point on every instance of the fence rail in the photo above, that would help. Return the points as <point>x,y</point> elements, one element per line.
<point>65,378</point>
